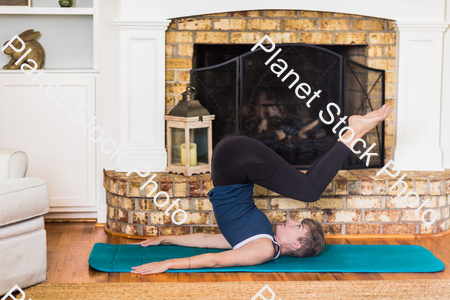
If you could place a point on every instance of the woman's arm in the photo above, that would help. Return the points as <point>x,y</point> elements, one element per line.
<point>199,240</point>
<point>254,253</point>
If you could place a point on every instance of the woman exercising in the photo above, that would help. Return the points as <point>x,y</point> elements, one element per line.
<point>238,162</point>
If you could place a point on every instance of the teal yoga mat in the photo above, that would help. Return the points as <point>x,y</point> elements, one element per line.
<point>334,258</point>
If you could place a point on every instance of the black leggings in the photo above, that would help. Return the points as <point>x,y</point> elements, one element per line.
<point>239,159</point>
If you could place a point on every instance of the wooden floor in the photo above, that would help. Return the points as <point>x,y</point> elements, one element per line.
<point>69,246</point>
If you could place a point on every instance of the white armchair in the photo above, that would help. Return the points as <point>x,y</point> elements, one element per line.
<point>23,242</point>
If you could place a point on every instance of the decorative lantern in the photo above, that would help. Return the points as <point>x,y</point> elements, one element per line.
<point>189,123</point>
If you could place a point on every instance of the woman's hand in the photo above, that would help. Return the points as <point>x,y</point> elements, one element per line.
<point>153,241</point>
<point>152,268</point>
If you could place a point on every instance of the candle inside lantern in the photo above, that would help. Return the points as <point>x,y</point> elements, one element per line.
<point>192,154</point>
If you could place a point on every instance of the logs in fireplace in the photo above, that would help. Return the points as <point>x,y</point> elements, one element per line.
<point>246,97</point>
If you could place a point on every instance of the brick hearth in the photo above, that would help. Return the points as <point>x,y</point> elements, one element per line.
<point>355,202</point>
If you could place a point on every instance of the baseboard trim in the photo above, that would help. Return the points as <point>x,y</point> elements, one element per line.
<point>66,215</point>
<point>69,220</point>
<point>97,225</point>
<point>328,236</point>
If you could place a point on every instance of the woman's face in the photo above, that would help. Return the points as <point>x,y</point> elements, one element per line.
<point>290,232</point>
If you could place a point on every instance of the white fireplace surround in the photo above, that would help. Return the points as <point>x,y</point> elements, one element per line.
<point>422,101</point>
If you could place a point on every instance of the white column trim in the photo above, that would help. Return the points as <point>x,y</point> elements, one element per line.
<point>142,94</point>
<point>418,102</point>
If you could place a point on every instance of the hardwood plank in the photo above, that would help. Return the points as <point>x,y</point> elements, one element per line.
<point>263,277</point>
<point>245,276</point>
<point>326,276</point>
<point>345,276</point>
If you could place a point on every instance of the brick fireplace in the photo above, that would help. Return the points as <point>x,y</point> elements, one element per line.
<point>377,36</point>
<point>355,202</point>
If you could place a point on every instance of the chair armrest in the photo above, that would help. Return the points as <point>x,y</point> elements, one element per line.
<point>13,163</point>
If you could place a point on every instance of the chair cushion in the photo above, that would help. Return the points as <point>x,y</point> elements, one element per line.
<point>22,199</point>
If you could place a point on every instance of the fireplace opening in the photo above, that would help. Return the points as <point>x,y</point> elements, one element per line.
<point>247,97</point>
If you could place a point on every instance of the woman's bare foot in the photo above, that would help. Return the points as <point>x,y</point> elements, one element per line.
<point>362,124</point>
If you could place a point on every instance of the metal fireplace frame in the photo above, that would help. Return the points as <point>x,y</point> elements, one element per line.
<point>343,63</point>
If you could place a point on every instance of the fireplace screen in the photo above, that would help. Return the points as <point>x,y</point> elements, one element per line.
<point>247,97</point>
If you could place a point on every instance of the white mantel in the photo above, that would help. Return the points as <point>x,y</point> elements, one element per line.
<point>421,141</point>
